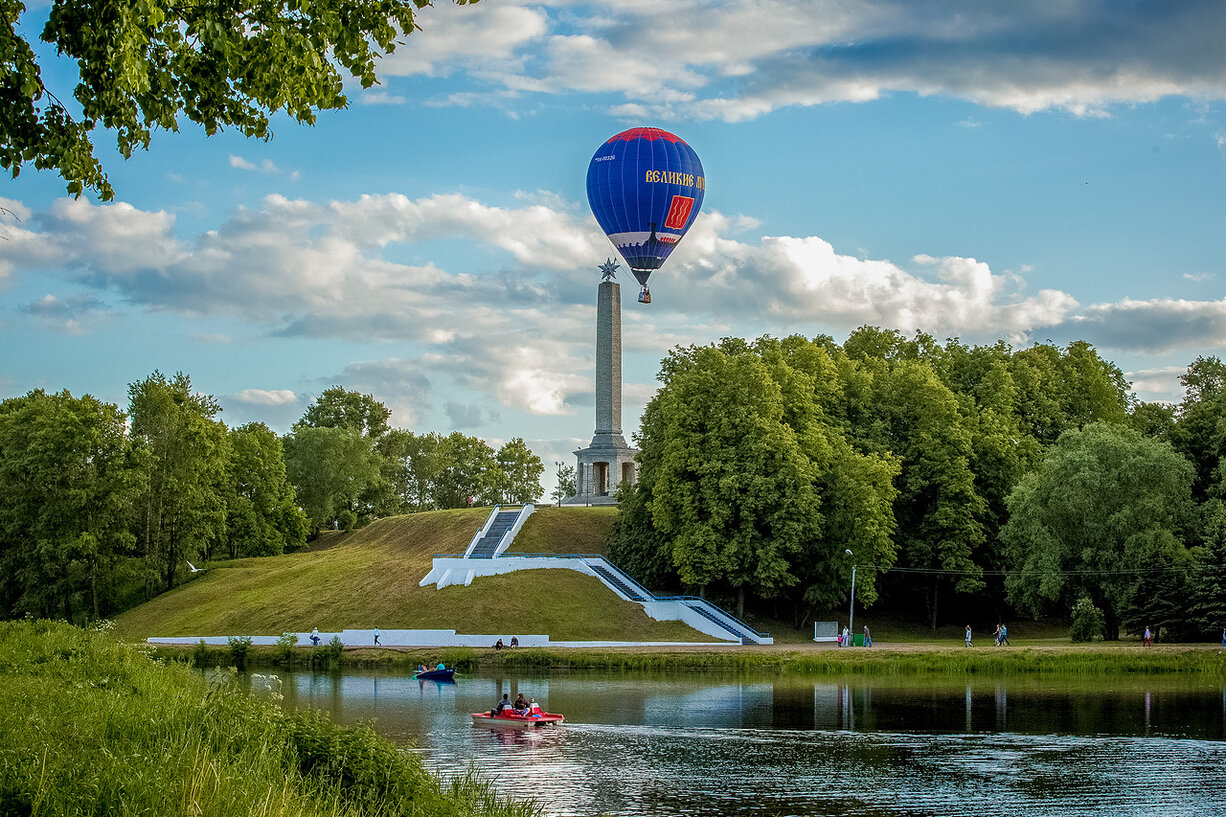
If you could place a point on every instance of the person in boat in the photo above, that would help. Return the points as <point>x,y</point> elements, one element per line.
<point>504,704</point>
<point>521,705</point>
<point>421,667</point>
<point>534,709</point>
<point>441,665</point>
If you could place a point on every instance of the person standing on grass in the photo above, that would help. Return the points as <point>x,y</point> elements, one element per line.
<point>1147,639</point>
<point>969,643</point>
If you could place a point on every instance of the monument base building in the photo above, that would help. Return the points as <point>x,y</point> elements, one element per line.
<point>608,461</point>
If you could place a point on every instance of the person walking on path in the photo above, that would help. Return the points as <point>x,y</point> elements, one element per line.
<point>868,638</point>
<point>314,636</point>
<point>969,643</point>
<point>1147,640</point>
<point>1004,634</point>
<point>377,637</point>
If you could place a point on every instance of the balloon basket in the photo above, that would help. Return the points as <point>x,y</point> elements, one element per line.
<point>644,296</point>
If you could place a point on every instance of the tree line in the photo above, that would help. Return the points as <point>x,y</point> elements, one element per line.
<point>101,509</point>
<point>968,482</point>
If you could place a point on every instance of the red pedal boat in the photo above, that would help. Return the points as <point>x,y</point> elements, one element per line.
<point>513,721</point>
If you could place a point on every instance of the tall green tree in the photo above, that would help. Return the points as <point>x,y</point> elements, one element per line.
<point>329,469</point>
<point>1105,506</point>
<point>731,488</point>
<point>138,67</point>
<point>465,472</point>
<point>69,481</point>
<point>1209,574</point>
<point>520,471</point>
<point>1200,429</point>
<point>338,407</point>
<point>909,413</point>
<point>262,513</point>
<point>183,506</point>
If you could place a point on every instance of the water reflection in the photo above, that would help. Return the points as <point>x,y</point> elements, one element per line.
<point>701,745</point>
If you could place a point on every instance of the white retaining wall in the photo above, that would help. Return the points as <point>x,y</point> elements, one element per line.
<point>448,570</point>
<point>425,638</point>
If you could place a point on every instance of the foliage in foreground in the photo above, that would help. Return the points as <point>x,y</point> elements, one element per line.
<point>91,726</point>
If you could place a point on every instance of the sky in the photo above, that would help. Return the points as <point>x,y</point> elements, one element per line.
<point>1035,171</point>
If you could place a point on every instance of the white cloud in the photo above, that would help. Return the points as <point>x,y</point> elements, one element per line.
<point>266,166</point>
<point>740,59</point>
<point>513,331</point>
<point>1156,384</point>
<point>1155,325</point>
<point>1198,276</point>
<point>380,98</point>
<point>267,397</point>
<point>479,38</point>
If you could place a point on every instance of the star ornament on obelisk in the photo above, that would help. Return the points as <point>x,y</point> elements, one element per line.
<point>608,270</point>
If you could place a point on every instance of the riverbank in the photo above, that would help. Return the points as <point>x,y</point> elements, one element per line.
<point>788,659</point>
<point>89,725</point>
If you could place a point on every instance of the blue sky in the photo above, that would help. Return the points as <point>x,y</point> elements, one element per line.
<point>1018,170</point>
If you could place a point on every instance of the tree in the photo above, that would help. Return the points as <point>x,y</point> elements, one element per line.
<point>1105,506</point>
<point>421,467</point>
<point>731,488</point>
<point>143,66</point>
<point>1209,584</point>
<point>905,410</point>
<point>69,480</point>
<point>565,478</point>
<point>339,408</point>
<point>465,468</point>
<point>183,506</point>
<point>520,471</point>
<point>262,513</point>
<point>329,469</point>
<point>1200,429</point>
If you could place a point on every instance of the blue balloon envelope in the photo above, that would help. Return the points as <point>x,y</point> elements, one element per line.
<point>645,187</point>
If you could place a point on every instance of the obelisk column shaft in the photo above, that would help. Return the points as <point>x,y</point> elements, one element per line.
<point>609,358</point>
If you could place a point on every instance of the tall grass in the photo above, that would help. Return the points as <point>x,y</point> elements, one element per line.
<point>89,726</point>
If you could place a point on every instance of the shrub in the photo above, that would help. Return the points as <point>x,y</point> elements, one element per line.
<point>285,647</point>
<point>330,655</point>
<point>200,655</point>
<point>1088,621</point>
<point>239,645</point>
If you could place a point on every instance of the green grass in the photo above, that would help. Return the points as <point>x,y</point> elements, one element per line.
<point>370,579</point>
<point>89,726</point>
<point>565,530</point>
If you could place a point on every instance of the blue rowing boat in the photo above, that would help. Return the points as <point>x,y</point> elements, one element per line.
<point>436,675</point>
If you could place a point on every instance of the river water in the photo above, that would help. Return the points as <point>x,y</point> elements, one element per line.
<point>714,745</point>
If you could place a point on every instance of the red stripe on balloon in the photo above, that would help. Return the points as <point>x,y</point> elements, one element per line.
<point>650,134</point>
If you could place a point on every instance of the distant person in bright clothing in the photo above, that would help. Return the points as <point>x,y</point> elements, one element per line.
<point>969,643</point>
<point>1147,639</point>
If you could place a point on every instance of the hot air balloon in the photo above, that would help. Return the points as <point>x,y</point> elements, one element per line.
<point>645,187</point>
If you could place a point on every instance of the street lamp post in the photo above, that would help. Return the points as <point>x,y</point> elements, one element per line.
<point>851,612</point>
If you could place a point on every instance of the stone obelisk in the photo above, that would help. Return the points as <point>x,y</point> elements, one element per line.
<point>608,461</point>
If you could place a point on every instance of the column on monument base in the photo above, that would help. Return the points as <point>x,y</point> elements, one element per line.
<point>600,471</point>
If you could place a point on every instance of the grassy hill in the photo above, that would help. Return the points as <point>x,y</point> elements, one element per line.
<point>369,579</point>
